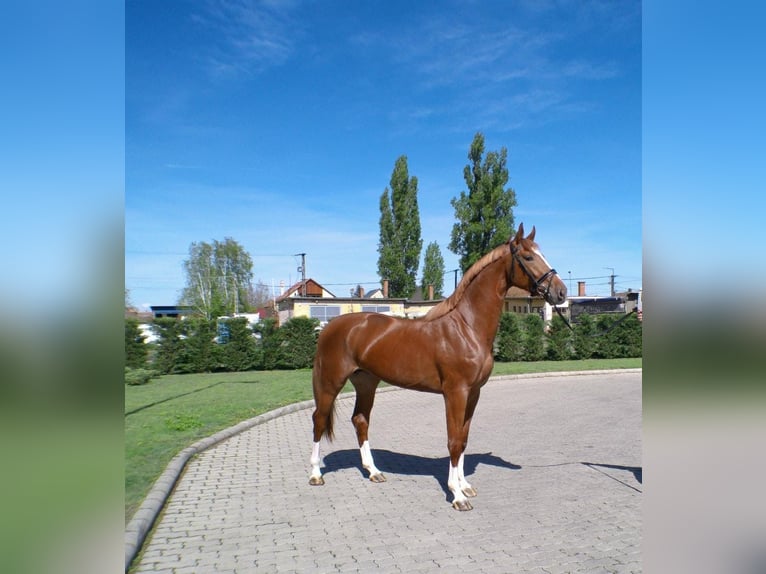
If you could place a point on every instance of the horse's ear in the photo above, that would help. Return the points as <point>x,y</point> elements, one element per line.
<point>519,234</point>
<point>532,235</point>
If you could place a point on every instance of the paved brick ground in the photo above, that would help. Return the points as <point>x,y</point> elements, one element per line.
<point>556,462</point>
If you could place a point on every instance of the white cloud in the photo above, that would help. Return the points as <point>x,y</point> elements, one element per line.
<point>253,36</point>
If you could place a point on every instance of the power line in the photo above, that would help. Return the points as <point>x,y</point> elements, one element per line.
<point>144,252</point>
<point>597,277</point>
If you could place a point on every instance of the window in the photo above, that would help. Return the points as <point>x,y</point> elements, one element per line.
<point>324,312</point>
<point>376,308</point>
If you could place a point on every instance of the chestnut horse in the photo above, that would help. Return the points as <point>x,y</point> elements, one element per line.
<point>448,351</point>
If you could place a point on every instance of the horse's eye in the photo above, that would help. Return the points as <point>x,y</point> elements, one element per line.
<point>529,258</point>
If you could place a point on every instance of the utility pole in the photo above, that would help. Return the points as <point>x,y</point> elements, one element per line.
<point>302,271</point>
<point>455,272</point>
<point>611,280</point>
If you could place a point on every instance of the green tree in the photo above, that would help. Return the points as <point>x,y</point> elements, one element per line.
<point>169,344</point>
<point>297,343</point>
<point>606,339</point>
<point>509,340</point>
<point>433,270</point>
<point>533,346</point>
<point>267,333</point>
<point>239,352</point>
<point>258,296</point>
<point>400,243</point>
<point>559,340</point>
<point>617,336</point>
<point>135,345</point>
<point>628,336</point>
<point>484,214</point>
<point>584,337</point>
<point>218,278</point>
<point>197,353</point>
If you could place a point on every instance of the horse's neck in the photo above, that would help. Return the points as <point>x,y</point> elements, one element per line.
<point>482,302</point>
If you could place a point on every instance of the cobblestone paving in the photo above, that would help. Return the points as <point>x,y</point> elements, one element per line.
<point>556,462</point>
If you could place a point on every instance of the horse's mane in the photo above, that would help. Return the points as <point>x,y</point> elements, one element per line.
<point>451,302</point>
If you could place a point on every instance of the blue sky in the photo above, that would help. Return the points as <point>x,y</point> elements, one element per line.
<point>278,124</point>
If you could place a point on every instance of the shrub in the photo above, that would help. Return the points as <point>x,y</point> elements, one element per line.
<point>135,346</point>
<point>508,344</point>
<point>297,343</point>
<point>627,337</point>
<point>239,352</point>
<point>196,353</point>
<point>169,347</point>
<point>559,340</point>
<point>139,376</point>
<point>606,341</point>
<point>268,344</point>
<point>584,337</point>
<point>533,346</point>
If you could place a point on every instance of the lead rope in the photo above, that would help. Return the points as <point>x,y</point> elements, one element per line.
<point>603,332</point>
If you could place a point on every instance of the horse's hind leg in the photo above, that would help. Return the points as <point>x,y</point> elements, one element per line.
<point>365,385</point>
<point>324,398</point>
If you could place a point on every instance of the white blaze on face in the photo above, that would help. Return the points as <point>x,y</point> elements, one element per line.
<point>536,251</point>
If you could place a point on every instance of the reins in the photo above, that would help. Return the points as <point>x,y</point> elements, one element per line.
<point>603,332</point>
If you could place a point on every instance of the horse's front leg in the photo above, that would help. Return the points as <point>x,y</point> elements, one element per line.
<point>463,484</point>
<point>460,409</point>
<point>365,385</point>
<point>455,483</point>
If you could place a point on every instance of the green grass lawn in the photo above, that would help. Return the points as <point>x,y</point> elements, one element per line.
<point>169,413</point>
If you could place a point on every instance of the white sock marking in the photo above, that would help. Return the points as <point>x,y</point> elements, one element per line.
<point>315,462</point>
<point>367,461</point>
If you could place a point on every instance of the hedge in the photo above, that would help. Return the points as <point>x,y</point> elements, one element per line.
<point>197,345</point>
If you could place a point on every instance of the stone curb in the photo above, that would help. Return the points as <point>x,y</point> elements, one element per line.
<point>143,519</point>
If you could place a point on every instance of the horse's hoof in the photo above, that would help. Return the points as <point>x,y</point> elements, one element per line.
<point>377,477</point>
<point>462,505</point>
<point>470,492</point>
<point>316,481</point>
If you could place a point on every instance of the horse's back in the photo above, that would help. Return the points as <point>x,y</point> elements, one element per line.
<point>339,327</point>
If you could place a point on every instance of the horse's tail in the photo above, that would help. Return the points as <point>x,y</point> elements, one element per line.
<point>324,403</point>
<point>329,431</point>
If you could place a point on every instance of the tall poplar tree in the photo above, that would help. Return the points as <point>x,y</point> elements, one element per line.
<point>400,242</point>
<point>484,214</point>
<point>433,270</point>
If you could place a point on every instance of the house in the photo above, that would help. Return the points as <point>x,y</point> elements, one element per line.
<point>311,299</point>
<point>319,303</point>
<point>175,311</point>
<point>632,300</point>
<point>584,304</point>
<point>518,300</point>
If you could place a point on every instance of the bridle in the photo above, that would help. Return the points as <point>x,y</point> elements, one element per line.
<point>537,283</point>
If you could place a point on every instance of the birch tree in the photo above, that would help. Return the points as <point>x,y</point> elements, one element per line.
<point>218,278</point>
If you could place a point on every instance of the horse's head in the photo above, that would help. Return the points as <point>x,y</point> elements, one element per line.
<point>530,271</point>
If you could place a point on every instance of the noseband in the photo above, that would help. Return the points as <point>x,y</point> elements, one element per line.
<point>537,283</point>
